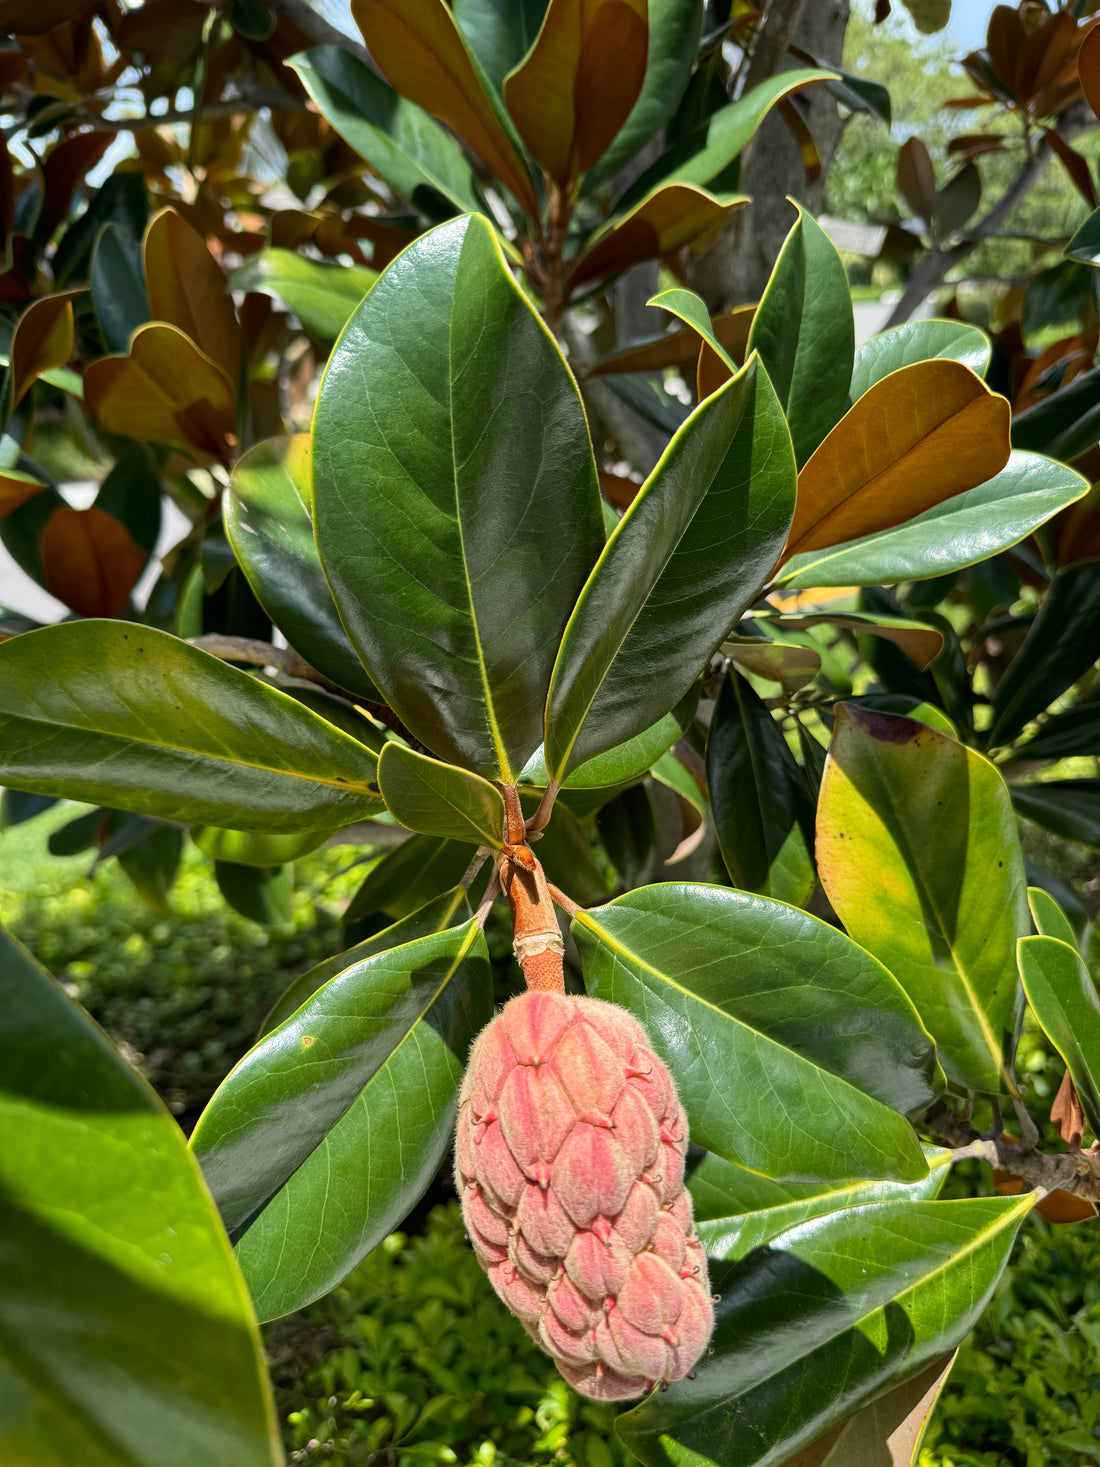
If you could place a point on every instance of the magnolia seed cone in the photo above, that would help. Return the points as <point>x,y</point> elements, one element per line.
<point>570,1166</point>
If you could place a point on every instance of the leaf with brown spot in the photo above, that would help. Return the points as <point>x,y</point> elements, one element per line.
<point>576,86</point>
<point>672,217</point>
<point>90,561</point>
<point>914,439</point>
<point>16,489</point>
<point>165,390</point>
<point>188,289</point>
<point>42,340</point>
<point>420,50</point>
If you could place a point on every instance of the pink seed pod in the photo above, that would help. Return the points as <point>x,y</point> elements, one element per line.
<point>569,1160</point>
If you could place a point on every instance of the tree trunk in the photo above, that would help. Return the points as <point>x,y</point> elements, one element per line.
<point>736,268</point>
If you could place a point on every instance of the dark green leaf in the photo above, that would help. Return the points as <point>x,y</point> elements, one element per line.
<point>268,524</point>
<point>687,558</point>
<point>439,799</point>
<point>435,916</point>
<point>117,278</point>
<point>132,493</point>
<point>121,200</point>
<point>320,294</point>
<point>963,529</point>
<point>133,718</point>
<point>919,854</point>
<point>499,32</point>
<point>1067,807</point>
<point>709,149</point>
<point>1076,731</point>
<point>77,835</point>
<point>126,1338</point>
<point>1085,244</point>
<point>823,1319</point>
<point>1063,996</point>
<point>260,893</point>
<point>918,341</point>
<point>456,516</point>
<point>674,30</point>
<point>16,807</point>
<point>566,852</point>
<point>1057,296</point>
<point>326,1133</point>
<point>757,790</point>
<point>805,334</point>
<point>1060,647</point>
<point>152,864</point>
<point>405,878</point>
<point>789,1076</point>
<point>629,836</point>
<point>1064,424</point>
<point>406,147</point>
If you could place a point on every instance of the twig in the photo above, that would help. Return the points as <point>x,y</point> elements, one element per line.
<point>1077,1172</point>
<point>492,891</point>
<point>567,904</point>
<point>250,101</point>
<point>540,819</point>
<point>262,654</point>
<point>469,876</point>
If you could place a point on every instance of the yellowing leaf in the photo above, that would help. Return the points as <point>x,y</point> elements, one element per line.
<point>576,86</point>
<point>420,49</point>
<point>914,439</point>
<point>165,390</point>
<point>187,289</point>
<point>90,560</point>
<point>16,489</point>
<point>42,340</point>
<point>673,216</point>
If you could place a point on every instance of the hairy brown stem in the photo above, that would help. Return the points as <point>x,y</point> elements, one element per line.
<point>1077,1172</point>
<point>537,940</point>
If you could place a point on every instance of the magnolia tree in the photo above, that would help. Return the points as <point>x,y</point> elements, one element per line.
<point>823,994</point>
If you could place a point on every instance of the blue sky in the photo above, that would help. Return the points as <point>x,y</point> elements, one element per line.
<point>969,19</point>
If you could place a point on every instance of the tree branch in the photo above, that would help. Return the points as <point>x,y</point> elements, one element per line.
<point>301,14</point>
<point>1077,1172</point>
<point>772,40</point>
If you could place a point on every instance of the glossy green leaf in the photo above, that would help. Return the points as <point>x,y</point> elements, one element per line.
<point>438,799</point>
<point>1059,648</point>
<point>322,295</point>
<point>1067,807</point>
<point>625,761</point>
<point>734,1236</point>
<point>918,852</point>
<point>268,524</point>
<point>418,159</point>
<point>456,503</point>
<point>405,878</point>
<point>499,32</point>
<point>256,848</point>
<point>1049,919</point>
<point>126,1335</point>
<point>805,333</point>
<point>675,27</point>
<point>1063,997</point>
<point>629,835</point>
<point>328,1131</point>
<point>963,529</point>
<point>259,893</point>
<point>135,719</point>
<point>690,554</point>
<point>152,864</point>
<point>709,149</point>
<point>822,1320</point>
<point>757,790</point>
<point>117,278</point>
<point>790,1087</point>
<point>1076,731</point>
<point>918,341</point>
<point>692,310</point>
<point>435,916</point>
